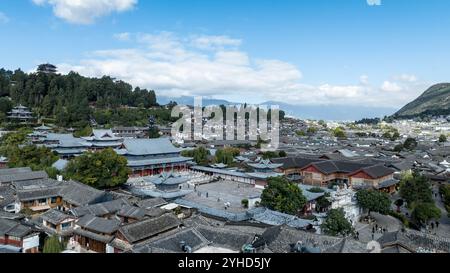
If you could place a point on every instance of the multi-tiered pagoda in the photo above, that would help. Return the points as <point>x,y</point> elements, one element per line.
<point>20,113</point>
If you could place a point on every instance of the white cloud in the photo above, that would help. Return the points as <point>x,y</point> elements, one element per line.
<point>3,18</point>
<point>86,11</point>
<point>374,2</point>
<point>124,36</point>
<point>214,42</point>
<point>406,78</point>
<point>364,79</point>
<point>175,66</point>
<point>391,86</point>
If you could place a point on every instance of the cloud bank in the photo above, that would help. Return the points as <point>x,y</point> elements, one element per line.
<point>86,11</point>
<point>216,67</point>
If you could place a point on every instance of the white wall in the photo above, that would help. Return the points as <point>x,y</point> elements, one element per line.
<point>30,242</point>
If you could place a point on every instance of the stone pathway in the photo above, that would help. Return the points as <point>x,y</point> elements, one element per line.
<point>386,221</point>
<point>444,222</point>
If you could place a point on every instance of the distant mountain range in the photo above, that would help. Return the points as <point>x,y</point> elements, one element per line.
<point>325,112</point>
<point>434,101</point>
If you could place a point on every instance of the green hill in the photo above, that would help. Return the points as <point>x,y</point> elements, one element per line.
<point>435,101</point>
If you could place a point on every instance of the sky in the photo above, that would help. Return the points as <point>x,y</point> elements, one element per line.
<point>378,53</point>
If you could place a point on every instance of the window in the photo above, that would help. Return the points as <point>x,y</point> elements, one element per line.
<point>54,200</point>
<point>42,202</point>
<point>65,226</point>
<point>12,238</point>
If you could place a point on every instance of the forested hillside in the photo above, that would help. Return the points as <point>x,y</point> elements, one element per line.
<point>73,100</point>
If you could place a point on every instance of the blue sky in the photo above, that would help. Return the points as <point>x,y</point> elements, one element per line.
<point>343,52</point>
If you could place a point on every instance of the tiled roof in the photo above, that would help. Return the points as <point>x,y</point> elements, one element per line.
<point>55,216</point>
<point>21,176</point>
<point>145,229</point>
<point>79,194</point>
<point>295,162</point>
<point>101,209</point>
<point>149,146</point>
<point>97,224</point>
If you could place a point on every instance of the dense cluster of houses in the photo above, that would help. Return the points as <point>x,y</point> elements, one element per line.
<point>171,204</point>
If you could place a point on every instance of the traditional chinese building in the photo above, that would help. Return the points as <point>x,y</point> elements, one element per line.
<point>152,156</point>
<point>164,185</point>
<point>102,139</point>
<point>20,113</point>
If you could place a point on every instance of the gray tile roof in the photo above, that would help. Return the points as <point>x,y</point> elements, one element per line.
<point>151,203</point>
<point>415,241</point>
<point>55,216</point>
<point>15,171</point>
<point>6,196</point>
<point>79,194</point>
<point>280,239</point>
<point>191,237</point>
<point>167,178</point>
<point>149,146</point>
<point>145,229</point>
<point>224,237</point>
<point>22,176</point>
<point>378,171</point>
<point>13,228</point>
<point>156,161</point>
<point>99,225</point>
<point>101,209</point>
<point>295,162</point>
<point>101,238</point>
<point>34,194</point>
<point>132,212</point>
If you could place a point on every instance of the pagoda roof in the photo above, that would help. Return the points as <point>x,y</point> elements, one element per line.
<point>264,164</point>
<point>139,147</point>
<point>166,178</point>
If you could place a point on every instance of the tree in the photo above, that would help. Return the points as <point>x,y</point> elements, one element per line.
<point>5,105</point>
<point>410,143</point>
<point>226,155</point>
<point>444,190</point>
<point>86,131</point>
<point>101,170</point>
<point>37,158</point>
<point>339,132</point>
<point>398,148</point>
<point>399,203</point>
<point>395,136</point>
<point>200,155</point>
<point>336,224</point>
<point>283,196</point>
<point>372,200</point>
<point>244,203</point>
<point>424,212</point>
<point>53,245</point>
<point>322,203</point>
<point>442,138</point>
<point>15,138</point>
<point>311,130</point>
<point>322,123</point>
<point>416,188</point>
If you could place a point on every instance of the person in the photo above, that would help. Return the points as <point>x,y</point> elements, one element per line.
<point>357,235</point>
<point>376,226</point>
<point>432,225</point>
<point>373,229</point>
<point>437,224</point>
